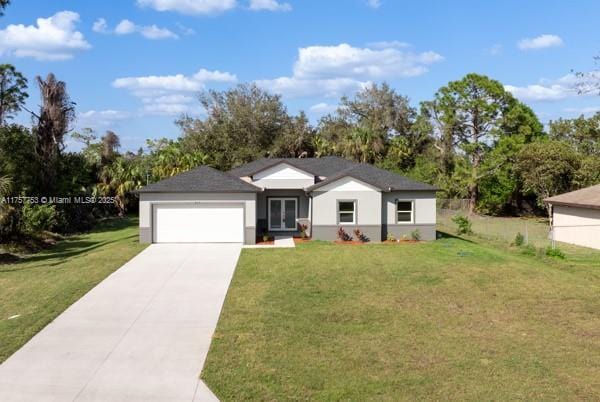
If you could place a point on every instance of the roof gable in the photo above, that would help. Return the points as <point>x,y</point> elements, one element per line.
<point>348,183</point>
<point>282,170</point>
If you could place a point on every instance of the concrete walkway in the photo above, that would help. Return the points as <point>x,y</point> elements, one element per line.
<point>140,335</point>
<point>280,242</point>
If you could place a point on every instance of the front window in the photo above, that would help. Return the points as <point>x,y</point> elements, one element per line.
<point>346,212</point>
<point>404,211</point>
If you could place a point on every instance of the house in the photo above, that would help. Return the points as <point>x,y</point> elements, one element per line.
<point>275,196</point>
<point>576,217</point>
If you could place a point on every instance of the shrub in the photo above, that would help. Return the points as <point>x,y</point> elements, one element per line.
<point>343,235</point>
<point>463,223</point>
<point>529,250</point>
<point>360,235</point>
<point>303,228</point>
<point>415,235</point>
<point>38,217</point>
<point>519,240</point>
<point>554,252</point>
<point>391,237</point>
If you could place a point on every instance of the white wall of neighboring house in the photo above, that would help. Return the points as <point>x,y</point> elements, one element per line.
<point>576,225</point>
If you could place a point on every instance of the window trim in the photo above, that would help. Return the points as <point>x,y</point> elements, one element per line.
<point>354,212</point>
<point>412,212</point>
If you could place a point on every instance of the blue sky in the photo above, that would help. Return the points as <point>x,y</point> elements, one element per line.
<point>134,65</point>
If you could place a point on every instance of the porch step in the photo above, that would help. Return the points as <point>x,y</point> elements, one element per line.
<point>284,241</point>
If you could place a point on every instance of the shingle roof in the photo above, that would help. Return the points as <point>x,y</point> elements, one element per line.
<point>380,178</point>
<point>326,166</point>
<point>203,179</point>
<point>586,197</point>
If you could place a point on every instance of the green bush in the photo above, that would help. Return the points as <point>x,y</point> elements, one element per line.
<point>554,252</point>
<point>415,234</point>
<point>519,240</point>
<point>37,218</point>
<point>463,223</point>
<point>529,250</point>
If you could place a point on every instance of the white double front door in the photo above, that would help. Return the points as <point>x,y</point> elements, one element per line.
<point>282,213</point>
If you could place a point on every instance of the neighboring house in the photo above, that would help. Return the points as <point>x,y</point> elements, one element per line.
<point>276,195</point>
<point>576,217</point>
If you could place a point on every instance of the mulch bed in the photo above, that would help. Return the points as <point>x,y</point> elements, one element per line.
<point>352,242</point>
<point>300,240</point>
<point>261,242</point>
<point>401,241</point>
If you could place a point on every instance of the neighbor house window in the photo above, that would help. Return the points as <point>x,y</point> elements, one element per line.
<point>404,211</point>
<point>346,212</point>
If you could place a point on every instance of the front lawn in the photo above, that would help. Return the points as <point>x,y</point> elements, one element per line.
<point>443,320</point>
<point>38,288</point>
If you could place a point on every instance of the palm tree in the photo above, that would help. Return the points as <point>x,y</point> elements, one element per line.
<point>363,145</point>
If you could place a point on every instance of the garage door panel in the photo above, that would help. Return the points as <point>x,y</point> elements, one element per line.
<point>198,223</point>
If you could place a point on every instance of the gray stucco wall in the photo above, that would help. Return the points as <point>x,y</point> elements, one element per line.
<point>424,215</point>
<point>148,199</point>
<point>325,218</point>
<point>261,207</point>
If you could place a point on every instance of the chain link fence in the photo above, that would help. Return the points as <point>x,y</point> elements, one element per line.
<point>535,231</point>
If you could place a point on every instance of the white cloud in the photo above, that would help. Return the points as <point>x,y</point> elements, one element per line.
<point>100,26</point>
<point>169,94</point>
<point>294,87</point>
<point>101,118</point>
<point>537,92</point>
<point>185,30</point>
<point>205,7</point>
<point>323,108</point>
<point>374,3</point>
<point>125,27</point>
<point>552,90</point>
<point>540,42</point>
<point>270,5</point>
<point>389,44</point>
<point>332,71</point>
<point>154,32</point>
<point>52,38</point>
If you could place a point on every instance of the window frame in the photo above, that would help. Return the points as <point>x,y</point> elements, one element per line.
<point>354,212</point>
<point>412,212</point>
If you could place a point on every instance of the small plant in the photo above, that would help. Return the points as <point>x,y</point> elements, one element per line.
<point>391,237</point>
<point>555,252</point>
<point>360,235</point>
<point>303,228</point>
<point>343,235</point>
<point>415,235</point>
<point>529,250</point>
<point>265,236</point>
<point>464,224</point>
<point>404,237</point>
<point>39,218</point>
<point>519,240</point>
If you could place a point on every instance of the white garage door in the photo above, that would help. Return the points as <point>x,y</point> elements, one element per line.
<point>198,223</point>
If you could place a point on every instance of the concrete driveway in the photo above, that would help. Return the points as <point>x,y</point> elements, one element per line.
<point>140,335</point>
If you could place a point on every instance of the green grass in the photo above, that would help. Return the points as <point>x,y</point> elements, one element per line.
<point>505,229</point>
<point>41,286</point>
<point>446,320</point>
